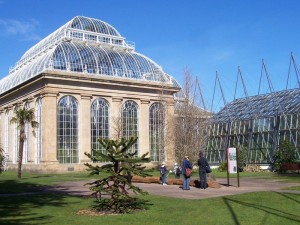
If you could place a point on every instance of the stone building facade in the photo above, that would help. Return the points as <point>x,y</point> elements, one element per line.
<point>85,82</point>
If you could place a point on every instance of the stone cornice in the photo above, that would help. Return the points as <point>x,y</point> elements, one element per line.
<point>86,96</point>
<point>145,101</point>
<point>29,99</point>
<point>117,99</point>
<point>109,80</point>
<point>47,93</point>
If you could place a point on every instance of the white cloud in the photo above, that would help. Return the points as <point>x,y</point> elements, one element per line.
<point>25,29</point>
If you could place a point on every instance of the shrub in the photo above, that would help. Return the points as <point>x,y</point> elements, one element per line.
<point>1,160</point>
<point>286,153</point>
<point>223,167</point>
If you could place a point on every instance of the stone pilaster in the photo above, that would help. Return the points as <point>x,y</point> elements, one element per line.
<point>116,122</point>
<point>84,127</point>
<point>169,120</point>
<point>144,127</point>
<point>49,128</point>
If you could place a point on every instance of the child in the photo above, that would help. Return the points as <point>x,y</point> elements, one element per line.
<point>177,171</point>
<point>163,173</point>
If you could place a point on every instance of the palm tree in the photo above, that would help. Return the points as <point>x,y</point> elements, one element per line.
<point>23,116</point>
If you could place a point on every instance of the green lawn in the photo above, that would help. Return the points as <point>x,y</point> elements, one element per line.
<point>251,208</point>
<point>44,208</point>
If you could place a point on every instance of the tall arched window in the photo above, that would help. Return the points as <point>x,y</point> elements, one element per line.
<point>38,143</point>
<point>130,122</point>
<point>6,137</point>
<point>27,140</point>
<point>16,140</point>
<point>99,122</point>
<point>156,132</point>
<point>67,130</point>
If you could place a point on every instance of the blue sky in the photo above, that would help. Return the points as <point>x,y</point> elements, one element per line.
<point>201,36</point>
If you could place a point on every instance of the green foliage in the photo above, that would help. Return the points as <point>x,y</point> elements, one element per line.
<point>21,118</point>
<point>286,153</point>
<point>117,184</point>
<point>223,167</point>
<point>242,157</point>
<point>1,160</point>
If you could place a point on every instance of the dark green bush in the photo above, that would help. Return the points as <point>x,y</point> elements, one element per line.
<point>286,153</point>
<point>1,160</point>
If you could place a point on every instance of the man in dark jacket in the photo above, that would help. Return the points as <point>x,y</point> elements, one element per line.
<point>203,164</point>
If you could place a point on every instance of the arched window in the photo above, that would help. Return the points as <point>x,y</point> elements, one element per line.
<point>130,122</point>
<point>38,143</point>
<point>7,123</point>
<point>27,139</point>
<point>67,130</point>
<point>156,132</point>
<point>99,122</point>
<point>16,141</point>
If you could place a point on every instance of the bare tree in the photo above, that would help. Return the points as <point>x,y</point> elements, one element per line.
<point>117,126</point>
<point>190,121</point>
<point>164,118</point>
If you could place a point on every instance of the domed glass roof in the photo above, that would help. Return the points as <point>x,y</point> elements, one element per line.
<point>89,46</point>
<point>93,25</point>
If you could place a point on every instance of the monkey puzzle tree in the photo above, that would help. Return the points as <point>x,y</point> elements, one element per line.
<point>122,164</point>
<point>21,118</point>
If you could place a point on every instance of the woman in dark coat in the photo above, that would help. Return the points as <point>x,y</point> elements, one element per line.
<point>186,179</point>
<point>203,164</point>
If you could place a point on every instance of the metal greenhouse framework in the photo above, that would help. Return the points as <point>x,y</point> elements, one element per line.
<point>258,123</point>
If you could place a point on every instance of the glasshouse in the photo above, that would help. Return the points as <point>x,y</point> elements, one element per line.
<point>258,124</point>
<point>84,81</point>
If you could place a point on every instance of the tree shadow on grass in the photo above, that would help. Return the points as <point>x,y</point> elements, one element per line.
<point>288,196</point>
<point>14,186</point>
<point>23,202</point>
<point>268,210</point>
<point>22,209</point>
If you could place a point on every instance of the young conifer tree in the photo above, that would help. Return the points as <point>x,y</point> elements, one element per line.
<point>121,165</point>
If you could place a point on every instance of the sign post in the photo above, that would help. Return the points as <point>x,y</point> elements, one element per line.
<point>232,160</point>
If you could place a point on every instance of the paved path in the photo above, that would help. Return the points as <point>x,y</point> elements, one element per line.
<point>246,185</point>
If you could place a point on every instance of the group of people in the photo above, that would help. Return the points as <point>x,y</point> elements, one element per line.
<point>186,165</point>
<point>164,172</point>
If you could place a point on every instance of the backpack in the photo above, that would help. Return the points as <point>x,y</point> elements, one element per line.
<point>178,171</point>
<point>162,170</point>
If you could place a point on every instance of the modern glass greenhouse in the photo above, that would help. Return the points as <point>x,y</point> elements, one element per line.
<point>259,123</point>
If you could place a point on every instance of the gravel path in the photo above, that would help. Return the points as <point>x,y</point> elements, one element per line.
<point>246,185</point>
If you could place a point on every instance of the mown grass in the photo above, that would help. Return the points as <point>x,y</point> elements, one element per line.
<point>295,188</point>
<point>49,208</point>
<point>251,208</point>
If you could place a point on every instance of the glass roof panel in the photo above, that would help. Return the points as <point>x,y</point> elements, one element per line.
<point>282,102</point>
<point>63,51</point>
